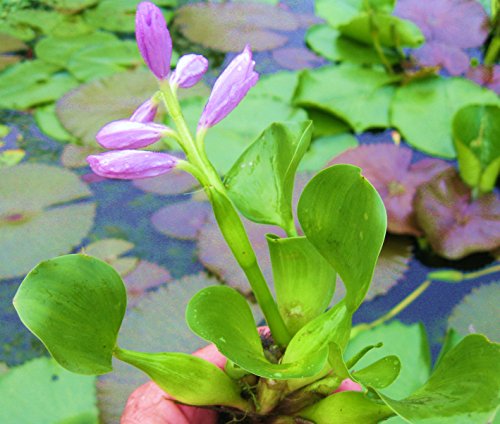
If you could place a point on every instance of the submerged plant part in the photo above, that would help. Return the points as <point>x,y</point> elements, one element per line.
<point>297,370</point>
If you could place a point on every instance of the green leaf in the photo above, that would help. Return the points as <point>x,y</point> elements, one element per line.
<point>434,101</point>
<point>70,5</point>
<point>187,378</point>
<point>42,392</point>
<point>451,339</point>
<point>49,123</point>
<point>381,373</point>
<point>391,30</point>
<point>58,50</point>
<point>476,133</point>
<point>344,217</point>
<point>75,305</point>
<point>413,353</point>
<point>347,408</point>
<point>360,96</point>
<point>330,43</point>
<point>304,281</point>
<point>260,183</point>
<point>325,124</point>
<point>222,316</point>
<point>340,12</point>
<point>463,389</point>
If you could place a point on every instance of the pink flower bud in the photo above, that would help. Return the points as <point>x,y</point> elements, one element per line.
<point>131,164</point>
<point>126,134</point>
<point>229,89</point>
<point>153,39</point>
<point>146,112</point>
<point>190,68</point>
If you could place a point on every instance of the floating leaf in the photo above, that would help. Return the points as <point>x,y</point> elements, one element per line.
<point>43,392</point>
<point>11,157</point>
<point>390,169</point>
<point>470,315</point>
<point>104,59</point>
<point>58,50</point>
<point>174,182</point>
<point>329,42</point>
<point>76,156</point>
<point>487,76</point>
<point>182,219</point>
<point>360,96</point>
<point>37,224</point>
<point>42,21</point>
<point>279,86</point>
<point>48,122</point>
<point>476,133</point>
<point>110,250</point>
<point>9,44</point>
<point>341,12</point>
<point>296,58</point>
<point>71,26</point>
<point>70,5</point>
<point>322,214</point>
<point>229,27</point>
<point>413,353</point>
<point>449,26</point>
<point>325,124</point>
<point>434,101</point>
<point>144,277</point>
<point>75,305</point>
<point>452,222</point>
<point>463,388</point>
<point>261,181</point>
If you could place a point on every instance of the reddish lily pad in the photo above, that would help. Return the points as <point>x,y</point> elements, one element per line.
<point>449,26</point>
<point>388,167</point>
<point>74,156</point>
<point>9,44</point>
<point>229,27</point>
<point>110,251</point>
<point>473,314</point>
<point>454,224</point>
<point>487,76</point>
<point>182,220</point>
<point>36,221</point>
<point>175,182</point>
<point>296,58</point>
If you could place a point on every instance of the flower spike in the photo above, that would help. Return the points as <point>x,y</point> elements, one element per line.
<point>153,39</point>
<point>131,164</point>
<point>189,70</point>
<point>229,89</point>
<point>127,134</point>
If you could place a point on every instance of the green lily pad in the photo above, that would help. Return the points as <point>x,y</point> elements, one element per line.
<point>360,96</point>
<point>229,27</point>
<point>434,101</point>
<point>343,11</point>
<point>473,314</point>
<point>48,122</point>
<point>9,44</point>
<point>279,86</point>
<point>58,50</point>
<point>41,21</point>
<point>174,182</point>
<point>326,124</point>
<point>105,59</point>
<point>70,5</point>
<point>42,392</point>
<point>71,26</point>
<point>74,156</point>
<point>37,224</point>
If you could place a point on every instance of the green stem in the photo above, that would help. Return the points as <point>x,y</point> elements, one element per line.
<point>227,217</point>
<point>481,273</point>
<point>394,311</point>
<point>492,52</point>
<point>378,47</point>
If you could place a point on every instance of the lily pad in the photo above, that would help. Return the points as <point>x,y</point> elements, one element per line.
<point>454,224</point>
<point>41,391</point>
<point>68,6</point>
<point>38,223</point>
<point>156,324</point>
<point>229,27</point>
<point>342,11</point>
<point>175,182</point>
<point>296,58</point>
<point>74,156</point>
<point>48,122</point>
<point>9,45</point>
<point>360,96</point>
<point>181,220</point>
<point>469,315</point>
<point>110,251</point>
<point>390,169</point>
<point>449,26</point>
<point>434,101</point>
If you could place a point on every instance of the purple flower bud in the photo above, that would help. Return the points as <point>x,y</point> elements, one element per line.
<point>153,39</point>
<point>131,164</point>
<point>126,134</point>
<point>146,112</point>
<point>229,89</point>
<point>190,68</point>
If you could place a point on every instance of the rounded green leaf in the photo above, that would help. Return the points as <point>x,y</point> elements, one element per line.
<point>344,218</point>
<point>381,373</point>
<point>75,305</point>
<point>222,316</point>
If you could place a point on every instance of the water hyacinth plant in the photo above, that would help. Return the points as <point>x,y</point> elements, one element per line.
<point>297,371</point>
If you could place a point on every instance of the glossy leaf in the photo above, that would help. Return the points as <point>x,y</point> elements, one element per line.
<point>476,133</point>
<point>434,101</point>
<point>304,281</point>
<point>360,96</point>
<point>75,305</point>
<point>379,374</point>
<point>222,316</point>
<point>347,408</point>
<point>463,388</point>
<point>261,181</point>
<point>187,378</point>
<point>343,11</point>
<point>413,353</point>
<point>41,391</point>
<point>344,218</point>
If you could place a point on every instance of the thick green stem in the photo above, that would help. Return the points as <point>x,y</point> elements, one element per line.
<point>227,217</point>
<point>492,52</point>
